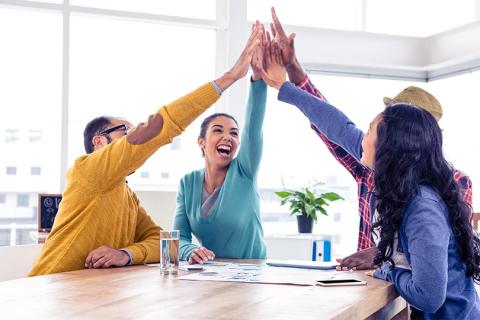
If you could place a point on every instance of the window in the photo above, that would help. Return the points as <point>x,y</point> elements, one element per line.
<point>460,124</point>
<point>204,9</point>
<point>35,171</point>
<point>11,135</point>
<point>23,236</point>
<point>424,17</point>
<point>407,17</point>
<point>48,1</point>
<point>4,236</point>
<point>338,14</point>
<point>360,99</point>
<point>139,64</point>
<point>31,82</point>
<point>165,175</point>
<point>176,143</point>
<point>117,90</point>
<point>11,171</point>
<point>294,156</point>
<point>35,135</point>
<point>23,200</point>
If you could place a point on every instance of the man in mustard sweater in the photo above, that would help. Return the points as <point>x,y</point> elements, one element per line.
<point>100,222</point>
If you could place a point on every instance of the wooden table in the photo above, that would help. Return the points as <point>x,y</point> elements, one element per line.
<point>139,292</point>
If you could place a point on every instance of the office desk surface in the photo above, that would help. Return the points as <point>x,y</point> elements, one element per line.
<point>139,292</point>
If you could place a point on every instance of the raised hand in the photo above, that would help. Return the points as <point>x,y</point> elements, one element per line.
<point>259,55</point>
<point>286,43</point>
<point>274,73</point>
<point>240,68</point>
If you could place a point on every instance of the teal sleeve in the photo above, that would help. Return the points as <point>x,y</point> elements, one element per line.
<point>181,223</point>
<point>251,143</point>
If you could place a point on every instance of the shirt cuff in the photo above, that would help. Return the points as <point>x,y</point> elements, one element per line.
<point>302,84</point>
<point>216,87</point>
<point>383,271</point>
<point>130,257</point>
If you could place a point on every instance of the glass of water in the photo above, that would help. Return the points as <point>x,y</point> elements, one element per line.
<point>169,258</point>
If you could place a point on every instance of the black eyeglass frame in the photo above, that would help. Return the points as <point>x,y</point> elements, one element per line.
<point>112,129</point>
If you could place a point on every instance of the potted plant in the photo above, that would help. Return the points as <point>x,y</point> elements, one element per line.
<point>305,204</point>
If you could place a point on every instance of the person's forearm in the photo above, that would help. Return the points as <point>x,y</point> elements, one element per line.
<point>295,72</point>
<point>327,119</point>
<point>427,235</point>
<point>186,249</point>
<point>250,152</point>
<point>225,81</point>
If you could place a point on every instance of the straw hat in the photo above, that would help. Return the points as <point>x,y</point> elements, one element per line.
<point>420,98</point>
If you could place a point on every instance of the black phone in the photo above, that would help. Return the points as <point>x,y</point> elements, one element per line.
<point>341,282</point>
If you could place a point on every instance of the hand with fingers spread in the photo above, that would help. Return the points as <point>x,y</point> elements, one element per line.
<point>240,68</point>
<point>200,255</point>
<point>360,260</point>
<point>259,55</point>
<point>106,257</point>
<point>286,44</point>
<point>274,74</point>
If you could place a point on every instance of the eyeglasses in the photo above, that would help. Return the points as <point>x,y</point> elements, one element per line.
<point>123,127</point>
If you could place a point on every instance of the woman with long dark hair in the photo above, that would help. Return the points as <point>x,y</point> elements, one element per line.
<point>427,247</point>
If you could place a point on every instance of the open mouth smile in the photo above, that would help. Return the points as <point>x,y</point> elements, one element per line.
<point>224,150</point>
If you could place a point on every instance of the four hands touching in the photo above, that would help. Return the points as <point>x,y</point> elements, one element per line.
<point>270,57</point>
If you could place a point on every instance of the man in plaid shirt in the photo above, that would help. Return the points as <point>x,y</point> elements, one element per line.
<point>364,176</point>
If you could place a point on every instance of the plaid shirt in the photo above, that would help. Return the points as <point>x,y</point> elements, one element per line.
<point>364,177</point>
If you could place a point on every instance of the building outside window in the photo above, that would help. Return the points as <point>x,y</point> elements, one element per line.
<point>35,171</point>
<point>11,135</point>
<point>35,135</point>
<point>23,200</point>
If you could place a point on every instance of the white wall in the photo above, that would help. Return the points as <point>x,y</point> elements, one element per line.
<point>160,205</point>
<point>17,260</point>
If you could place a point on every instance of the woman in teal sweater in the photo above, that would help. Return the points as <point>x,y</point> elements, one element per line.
<point>220,204</point>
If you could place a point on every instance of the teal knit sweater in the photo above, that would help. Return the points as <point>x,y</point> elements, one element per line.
<point>233,229</point>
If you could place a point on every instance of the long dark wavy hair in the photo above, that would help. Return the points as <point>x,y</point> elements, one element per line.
<point>409,154</point>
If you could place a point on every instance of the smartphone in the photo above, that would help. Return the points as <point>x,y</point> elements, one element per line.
<point>191,267</point>
<point>341,282</point>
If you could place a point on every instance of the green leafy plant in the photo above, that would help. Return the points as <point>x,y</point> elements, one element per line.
<point>306,202</point>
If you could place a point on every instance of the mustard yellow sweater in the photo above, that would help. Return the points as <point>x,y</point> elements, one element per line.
<point>98,208</point>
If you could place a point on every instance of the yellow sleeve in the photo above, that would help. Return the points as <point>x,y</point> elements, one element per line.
<point>108,166</point>
<point>146,248</point>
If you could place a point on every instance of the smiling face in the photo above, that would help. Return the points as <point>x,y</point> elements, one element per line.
<point>220,142</point>
<point>369,143</point>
